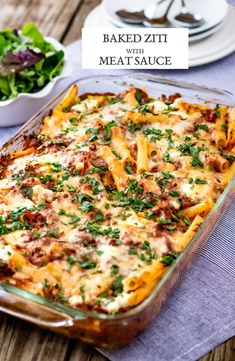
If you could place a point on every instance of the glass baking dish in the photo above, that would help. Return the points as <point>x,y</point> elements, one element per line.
<point>101,329</point>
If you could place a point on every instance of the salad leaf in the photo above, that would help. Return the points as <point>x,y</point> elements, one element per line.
<point>7,37</point>
<point>29,30</point>
<point>15,62</point>
<point>27,61</point>
<point>4,86</point>
<point>52,64</point>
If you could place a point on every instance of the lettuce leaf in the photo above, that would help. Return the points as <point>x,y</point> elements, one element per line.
<point>30,31</point>
<point>15,62</point>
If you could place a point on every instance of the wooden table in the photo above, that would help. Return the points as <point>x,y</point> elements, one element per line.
<point>62,19</point>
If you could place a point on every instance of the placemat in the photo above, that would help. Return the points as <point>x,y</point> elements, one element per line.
<point>200,313</point>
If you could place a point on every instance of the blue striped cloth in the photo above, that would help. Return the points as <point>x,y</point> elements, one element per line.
<point>200,313</point>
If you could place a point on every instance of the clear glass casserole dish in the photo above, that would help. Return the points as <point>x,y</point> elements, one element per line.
<point>101,329</point>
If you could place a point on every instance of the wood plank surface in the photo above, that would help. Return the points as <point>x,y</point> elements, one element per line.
<point>21,341</point>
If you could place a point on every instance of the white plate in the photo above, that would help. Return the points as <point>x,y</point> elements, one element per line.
<point>215,47</point>
<point>98,18</point>
<point>205,34</point>
<point>212,16</point>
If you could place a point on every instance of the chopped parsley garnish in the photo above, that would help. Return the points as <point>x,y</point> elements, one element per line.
<point>99,170</point>
<point>165,221</point>
<point>138,96</point>
<point>185,219</point>
<point>157,132</point>
<point>41,137</point>
<point>71,189</point>
<point>97,190</point>
<point>107,129</point>
<point>134,187</point>
<point>114,270</point>
<point>87,264</point>
<point>132,251</point>
<point>224,127</point>
<point>17,178</point>
<point>93,182</point>
<point>166,157</point>
<point>116,155</point>
<point>148,257</point>
<point>56,167</point>
<point>71,260</point>
<point>65,176</point>
<point>94,134</point>
<point>145,245</point>
<point>174,193</point>
<point>171,228</point>
<point>45,283</point>
<point>169,259</point>
<point>82,197</point>
<point>65,109</point>
<point>61,297</point>
<point>187,148</point>
<point>167,175</point>
<point>15,215</point>
<point>128,168</point>
<point>169,133</point>
<point>200,181</point>
<point>196,161</point>
<point>74,219</point>
<point>99,252</point>
<point>217,111</point>
<point>201,126</point>
<point>168,110</point>
<point>99,217</point>
<point>164,180</point>
<point>227,156</point>
<point>87,207</point>
<point>148,254</point>
<point>101,297</point>
<point>73,120</point>
<point>46,178</point>
<point>96,229</point>
<point>190,149</point>
<point>133,197</point>
<point>113,100</point>
<point>14,226</point>
<point>132,127</point>
<point>143,109</point>
<point>62,212</point>
<point>148,215</point>
<point>82,292</point>
<point>117,285</point>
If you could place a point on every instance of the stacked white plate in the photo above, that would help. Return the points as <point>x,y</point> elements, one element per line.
<point>213,40</point>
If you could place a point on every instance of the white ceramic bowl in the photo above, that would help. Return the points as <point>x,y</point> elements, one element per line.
<point>25,105</point>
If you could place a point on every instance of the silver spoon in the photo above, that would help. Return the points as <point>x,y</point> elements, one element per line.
<point>187,19</point>
<point>161,21</point>
<point>135,17</point>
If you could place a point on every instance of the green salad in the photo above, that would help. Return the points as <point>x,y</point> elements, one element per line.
<point>27,61</point>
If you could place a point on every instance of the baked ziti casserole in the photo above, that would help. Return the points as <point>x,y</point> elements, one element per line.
<point>97,206</point>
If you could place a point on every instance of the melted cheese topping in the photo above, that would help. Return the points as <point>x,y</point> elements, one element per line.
<point>92,224</point>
